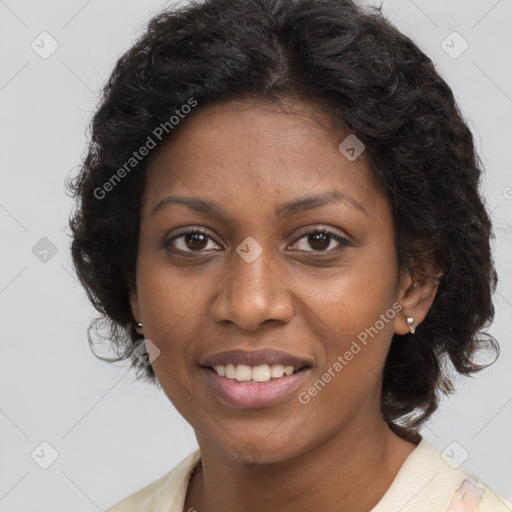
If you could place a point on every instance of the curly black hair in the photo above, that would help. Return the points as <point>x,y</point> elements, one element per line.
<point>370,79</point>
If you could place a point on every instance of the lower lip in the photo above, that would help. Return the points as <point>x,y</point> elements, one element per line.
<point>242,394</point>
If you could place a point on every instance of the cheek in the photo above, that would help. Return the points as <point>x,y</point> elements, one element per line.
<point>354,296</point>
<point>170,297</point>
<point>355,314</point>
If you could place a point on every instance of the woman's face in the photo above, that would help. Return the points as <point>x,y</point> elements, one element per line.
<point>264,274</point>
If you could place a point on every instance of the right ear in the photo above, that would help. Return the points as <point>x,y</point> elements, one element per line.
<point>134,304</point>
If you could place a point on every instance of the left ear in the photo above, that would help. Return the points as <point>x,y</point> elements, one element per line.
<point>134,304</point>
<point>417,290</point>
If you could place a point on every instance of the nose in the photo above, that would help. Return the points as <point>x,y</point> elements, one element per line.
<point>252,294</point>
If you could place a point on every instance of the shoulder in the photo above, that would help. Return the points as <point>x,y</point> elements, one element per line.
<point>165,494</point>
<point>431,481</point>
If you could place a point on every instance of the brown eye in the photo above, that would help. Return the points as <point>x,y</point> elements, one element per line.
<point>195,241</point>
<point>322,240</point>
<point>191,241</point>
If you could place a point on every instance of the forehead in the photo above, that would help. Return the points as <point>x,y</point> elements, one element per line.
<point>250,153</point>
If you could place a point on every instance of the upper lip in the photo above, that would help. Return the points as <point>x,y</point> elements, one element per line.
<point>255,358</point>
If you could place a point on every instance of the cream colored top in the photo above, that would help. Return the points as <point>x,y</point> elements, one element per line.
<point>424,483</point>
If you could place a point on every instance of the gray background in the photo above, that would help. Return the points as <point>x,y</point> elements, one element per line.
<point>113,435</point>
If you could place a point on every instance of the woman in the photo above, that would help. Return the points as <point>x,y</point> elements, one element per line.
<point>279,218</point>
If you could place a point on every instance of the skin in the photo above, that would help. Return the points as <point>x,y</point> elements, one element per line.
<point>336,452</point>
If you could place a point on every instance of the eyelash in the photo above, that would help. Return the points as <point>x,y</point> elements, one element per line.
<point>316,230</point>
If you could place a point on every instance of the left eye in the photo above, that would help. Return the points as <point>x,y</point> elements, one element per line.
<point>320,240</point>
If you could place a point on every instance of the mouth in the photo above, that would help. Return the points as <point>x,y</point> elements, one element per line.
<point>254,378</point>
<point>246,374</point>
<point>263,386</point>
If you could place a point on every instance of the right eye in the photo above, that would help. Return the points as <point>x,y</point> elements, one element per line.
<point>194,240</point>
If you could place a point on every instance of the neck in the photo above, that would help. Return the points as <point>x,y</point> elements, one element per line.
<point>351,470</point>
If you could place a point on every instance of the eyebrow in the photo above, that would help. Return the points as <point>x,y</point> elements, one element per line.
<point>284,210</point>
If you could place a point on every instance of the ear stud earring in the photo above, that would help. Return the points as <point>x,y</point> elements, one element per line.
<point>138,329</point>
<point>410,322</point>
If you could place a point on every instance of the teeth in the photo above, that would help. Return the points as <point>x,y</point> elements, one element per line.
<point>242,373</point>
<point>288,370</point>
<point>245,373</point>
<point>230,371</point>
<point>277,370</point>
<point>261,373</point>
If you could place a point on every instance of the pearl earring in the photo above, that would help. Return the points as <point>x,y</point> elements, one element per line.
<point>139,328</point>
<point>410,322</point>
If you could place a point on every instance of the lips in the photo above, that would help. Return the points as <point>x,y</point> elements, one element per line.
<point>255,358</point>
<point>250,393</point>
<point>243,395</point>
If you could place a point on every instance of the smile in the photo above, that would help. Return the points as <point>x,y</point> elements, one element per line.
<point>253,374</point>
<point>250,393</point>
